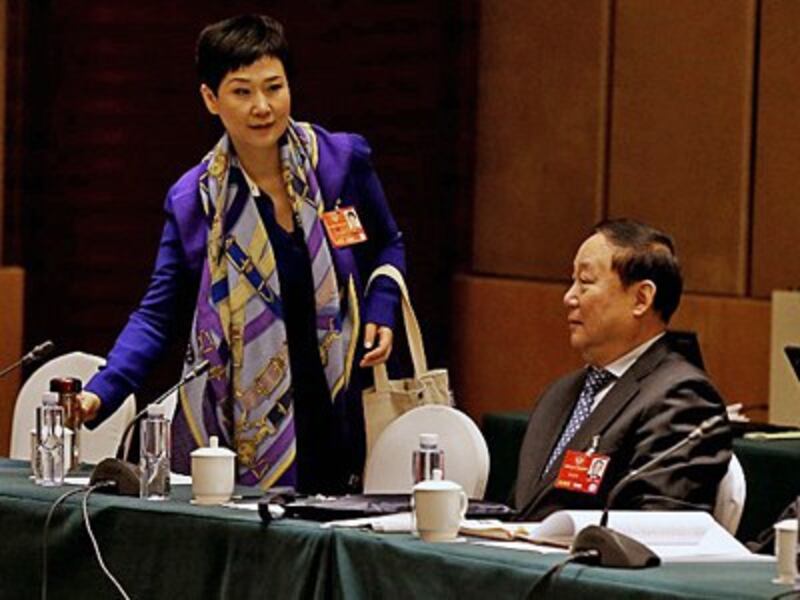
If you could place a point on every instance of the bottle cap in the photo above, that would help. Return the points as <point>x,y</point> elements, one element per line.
<point>155,410</point>
<point>50,399</point>
<point>428,440</point>
<point>66,385</point>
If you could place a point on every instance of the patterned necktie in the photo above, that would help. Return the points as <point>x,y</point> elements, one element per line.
<point>596,380</point>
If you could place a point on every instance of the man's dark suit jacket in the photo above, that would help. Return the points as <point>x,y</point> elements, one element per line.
<point>655,404</point>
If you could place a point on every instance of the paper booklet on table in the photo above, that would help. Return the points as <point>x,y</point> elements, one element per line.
<point>673,535</point>
<point>396,523</point>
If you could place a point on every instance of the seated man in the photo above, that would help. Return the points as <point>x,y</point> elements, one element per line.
<point>634,399</point>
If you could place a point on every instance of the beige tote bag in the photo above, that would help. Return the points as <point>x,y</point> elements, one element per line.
<point>390,398</point>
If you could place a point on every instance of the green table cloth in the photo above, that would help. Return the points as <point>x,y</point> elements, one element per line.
<point>173,549</point>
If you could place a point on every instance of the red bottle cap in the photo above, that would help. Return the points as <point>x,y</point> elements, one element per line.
<point>66,385</point>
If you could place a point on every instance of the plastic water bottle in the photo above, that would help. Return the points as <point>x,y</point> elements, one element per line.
<point>154,455</point>
<point>50,441</point>
<point>427,458</point>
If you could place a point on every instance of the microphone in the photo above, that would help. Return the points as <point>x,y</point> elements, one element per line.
<point>118,470</point>
<point>196,371</point>
<point>41,351</point>
<point>614,549</point>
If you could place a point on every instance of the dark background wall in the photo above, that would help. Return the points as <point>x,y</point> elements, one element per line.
<point>104,115</point>
<point>502,130</point>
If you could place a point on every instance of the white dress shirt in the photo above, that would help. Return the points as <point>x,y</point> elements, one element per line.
<point>621,365</point>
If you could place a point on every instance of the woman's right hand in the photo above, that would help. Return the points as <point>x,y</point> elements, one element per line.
<point>90,405</point>
<point>381,352</point>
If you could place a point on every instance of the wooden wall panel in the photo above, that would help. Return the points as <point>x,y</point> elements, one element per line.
<point>784,393</point>
<point>12,284</point>
<point>734,337</point>
<point>510,341</point>
<point>680,129</point>
<point>776,211</point>
<point>540,133</point>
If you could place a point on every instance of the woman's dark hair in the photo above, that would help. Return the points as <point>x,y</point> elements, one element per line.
<point>238,42</point>
<point>644,252</point>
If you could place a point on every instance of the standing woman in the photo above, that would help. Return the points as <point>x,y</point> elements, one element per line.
<point>258,228</point>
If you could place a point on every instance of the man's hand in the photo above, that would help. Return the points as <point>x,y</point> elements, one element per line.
<point>90,405</point>
<point>382,351</point>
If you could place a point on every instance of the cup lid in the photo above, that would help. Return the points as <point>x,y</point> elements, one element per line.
<point>786,525</point>
<point>213,450</point>
<point>433,485</point>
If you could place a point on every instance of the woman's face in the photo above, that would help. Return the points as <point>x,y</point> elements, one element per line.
<point>253,102</point>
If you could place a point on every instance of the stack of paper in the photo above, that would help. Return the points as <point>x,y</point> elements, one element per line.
<point>672,535</point>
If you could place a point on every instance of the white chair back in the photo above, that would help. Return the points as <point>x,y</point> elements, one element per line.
<point>466,456</point>
<point>96,444</point>
<point>731,495</point>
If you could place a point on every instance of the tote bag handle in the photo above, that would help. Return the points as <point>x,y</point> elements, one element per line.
<point>413,333</point>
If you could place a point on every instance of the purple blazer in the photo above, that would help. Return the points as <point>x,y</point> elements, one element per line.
<point>344,172</point>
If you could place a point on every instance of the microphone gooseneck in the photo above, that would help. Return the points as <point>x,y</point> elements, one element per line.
<point>196,371</point>
<point>39,352</point>
<point>118,470</point>
<point>614,549</point>
<point>695,434</point>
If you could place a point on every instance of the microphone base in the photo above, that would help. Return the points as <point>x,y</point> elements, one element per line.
<point>613,549</point>
<point>124,476</point>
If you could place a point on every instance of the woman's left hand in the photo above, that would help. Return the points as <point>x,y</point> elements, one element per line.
<point>380,353</point>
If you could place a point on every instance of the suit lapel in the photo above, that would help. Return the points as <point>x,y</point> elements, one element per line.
<point>551,423</point>
<point>617,398</point>
<point>556,419</point>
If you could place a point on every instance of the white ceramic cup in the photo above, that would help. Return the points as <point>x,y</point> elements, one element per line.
<point>786,550</point>
<point>438,508</point>
<point>213,473</point>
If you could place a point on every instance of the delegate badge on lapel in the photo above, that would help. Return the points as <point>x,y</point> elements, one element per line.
<point>582,472</point>
<point>343,226</point>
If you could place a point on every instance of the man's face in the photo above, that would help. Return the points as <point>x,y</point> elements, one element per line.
<point>253,102</point>
<point>600,311</point>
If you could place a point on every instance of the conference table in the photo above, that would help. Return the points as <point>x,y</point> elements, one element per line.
<point>174,549</point>
<point>771,468</point>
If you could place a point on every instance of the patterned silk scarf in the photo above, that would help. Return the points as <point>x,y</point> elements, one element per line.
<point>246,396</point>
